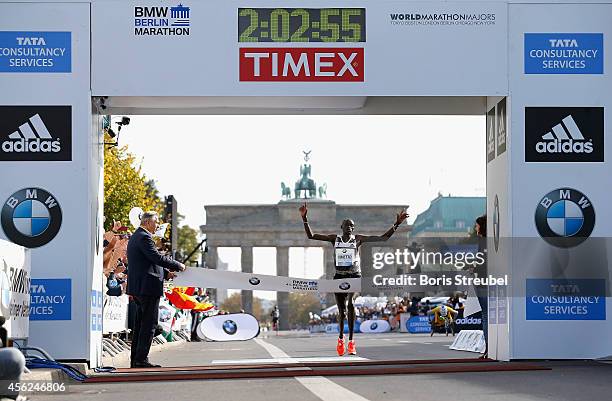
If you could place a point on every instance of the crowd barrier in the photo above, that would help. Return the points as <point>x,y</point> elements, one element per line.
<point>115,314</point>
<point>15,289</point>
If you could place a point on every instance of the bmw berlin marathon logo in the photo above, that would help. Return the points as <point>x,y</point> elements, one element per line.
<point>162,21</point>
<point>31,217</point>
<point>565,217</point>
<point>230,327</point>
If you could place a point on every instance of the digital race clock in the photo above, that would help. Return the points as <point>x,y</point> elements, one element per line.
<point>301,25</point>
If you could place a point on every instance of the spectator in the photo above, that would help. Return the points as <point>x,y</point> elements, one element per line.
<point>482,292</point>
<point>460,310</point>
<point>275,317</point>
<point>426,308</point>
<point>197,317</point>
<point>414,307</point>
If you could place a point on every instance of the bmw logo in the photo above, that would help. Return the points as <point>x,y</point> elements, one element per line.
<point>254,281</point>
<point>344,286</point>
<point>230,327</point>
<point>565,217</point>
<point>496,223</point>
<point>31,217</point>
<point>374,326</point>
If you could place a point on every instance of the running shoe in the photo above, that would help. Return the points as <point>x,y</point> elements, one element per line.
<point>351,348</point>
<point>340,347</point>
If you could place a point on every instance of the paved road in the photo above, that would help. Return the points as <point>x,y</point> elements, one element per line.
<point>566,381</point>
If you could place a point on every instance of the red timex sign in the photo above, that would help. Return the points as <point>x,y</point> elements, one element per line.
<point>301,64</point>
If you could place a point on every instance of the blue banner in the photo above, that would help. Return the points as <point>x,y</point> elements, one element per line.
<point>51,299</point>
<point>566,299</point>
<point>97,304</point>
<point>418,324</point>
<point>22,51</point>
<point>564,53</point>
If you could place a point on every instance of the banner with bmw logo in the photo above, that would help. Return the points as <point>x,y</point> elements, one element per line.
<point>247,281</point>
<point>375,326</point>
<point>232,327</point>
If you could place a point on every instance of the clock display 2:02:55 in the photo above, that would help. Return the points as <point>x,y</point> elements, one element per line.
<point>301,25</point>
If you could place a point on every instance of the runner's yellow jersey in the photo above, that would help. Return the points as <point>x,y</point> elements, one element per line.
<point>438,318</point>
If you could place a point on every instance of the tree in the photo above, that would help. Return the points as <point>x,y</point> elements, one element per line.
<point>233,304</point>
<point>187,241</point>
<point>299,306</point>
<point>125,186</point>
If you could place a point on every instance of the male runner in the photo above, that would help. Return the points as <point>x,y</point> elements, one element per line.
<point>347,262</point>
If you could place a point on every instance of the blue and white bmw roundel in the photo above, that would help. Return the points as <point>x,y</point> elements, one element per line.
<point>565,217</point>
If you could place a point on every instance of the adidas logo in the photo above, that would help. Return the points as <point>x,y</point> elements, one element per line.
<point>469,320</point>
<point>32,136</point>
<point>565,138</point>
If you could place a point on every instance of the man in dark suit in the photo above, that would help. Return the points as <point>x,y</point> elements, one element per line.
<point>147,271</point>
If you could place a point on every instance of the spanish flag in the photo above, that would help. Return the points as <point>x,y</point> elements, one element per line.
<point>182,298</point>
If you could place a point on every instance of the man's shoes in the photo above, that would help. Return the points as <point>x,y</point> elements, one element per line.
<point>143,364</point>
<point>352,350</point>
<point>340,347</point>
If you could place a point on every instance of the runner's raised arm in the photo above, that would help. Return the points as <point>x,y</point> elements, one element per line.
<point>309,234</point>
<point>400,218</point>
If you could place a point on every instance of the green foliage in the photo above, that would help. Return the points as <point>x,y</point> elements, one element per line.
<point>187,241</point>
<point>233,304</point>
<point>125,186</point>
<point>299,306</point>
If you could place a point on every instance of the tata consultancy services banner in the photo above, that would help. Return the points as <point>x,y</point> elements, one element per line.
<point>564,53</point>
<point>566,299</point>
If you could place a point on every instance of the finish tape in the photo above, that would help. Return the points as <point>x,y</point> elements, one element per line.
<point>211,278</point>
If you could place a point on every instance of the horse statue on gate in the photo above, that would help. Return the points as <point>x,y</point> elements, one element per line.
<point>286,191</point>
<point>323,190</point>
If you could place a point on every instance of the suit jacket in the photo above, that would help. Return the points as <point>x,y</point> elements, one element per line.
<point>147,268</point>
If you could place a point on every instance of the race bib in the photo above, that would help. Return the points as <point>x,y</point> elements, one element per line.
<point>345,257</point>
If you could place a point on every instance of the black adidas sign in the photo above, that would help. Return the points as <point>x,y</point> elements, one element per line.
<point>564,134</point>
<point>35,133</point>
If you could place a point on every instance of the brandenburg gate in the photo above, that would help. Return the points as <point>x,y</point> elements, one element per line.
<point>280,226</point>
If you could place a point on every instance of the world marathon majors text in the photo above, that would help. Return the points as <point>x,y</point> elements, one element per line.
<point>444,280</point>
<point>442,19</point>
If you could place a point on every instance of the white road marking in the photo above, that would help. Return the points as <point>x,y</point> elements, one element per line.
<point>288,360</point>
<point>320,386</point>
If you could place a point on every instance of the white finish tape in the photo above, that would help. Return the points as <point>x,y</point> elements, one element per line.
<point>210,278</point>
